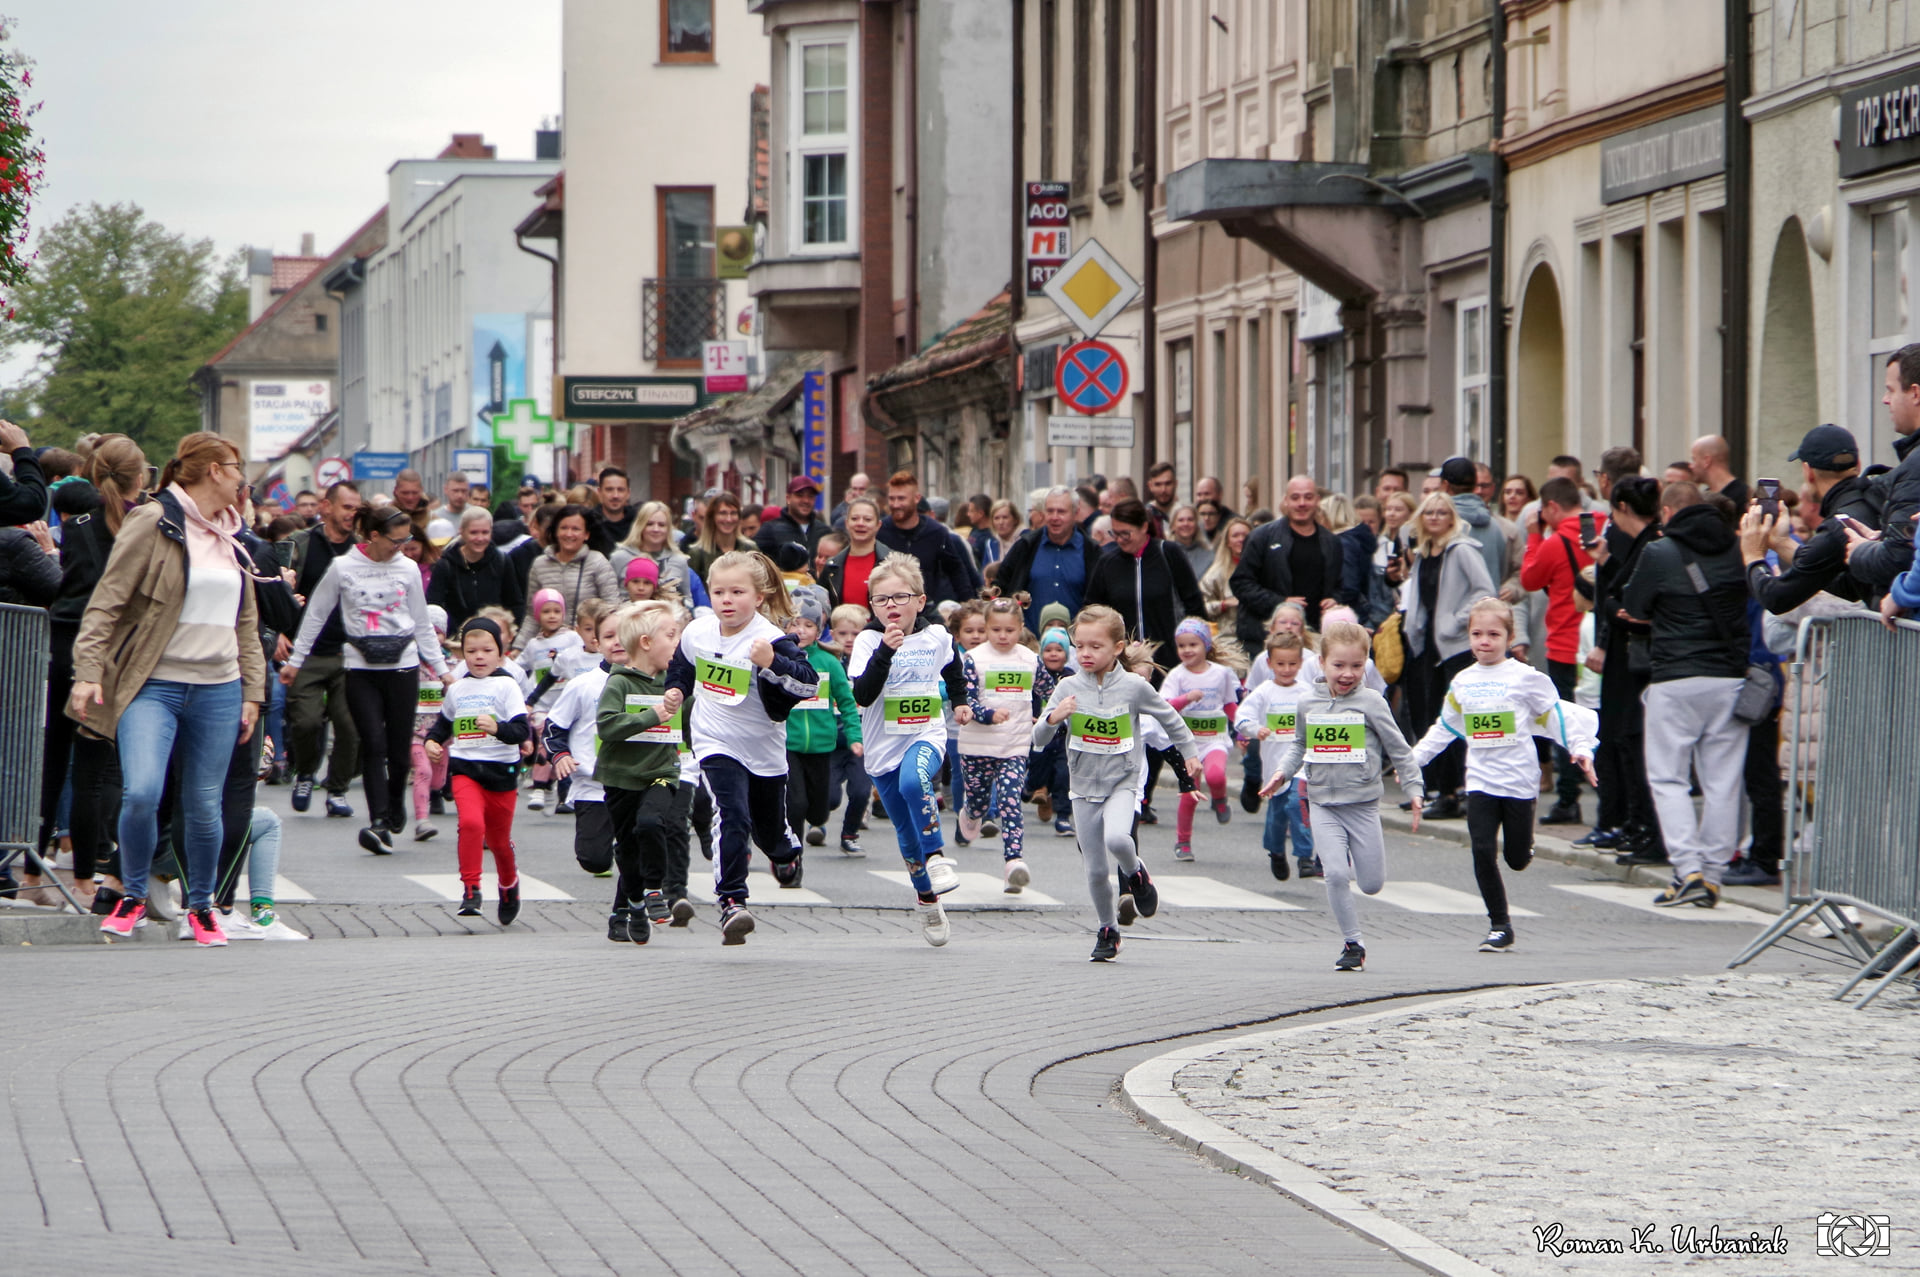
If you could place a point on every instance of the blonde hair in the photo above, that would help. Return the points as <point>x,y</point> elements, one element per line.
<point>1424,545</point>
<point>643,620</point>
<point>1285,641</point>
<point>1346,634</point>
<point>849,612</point>
<point>903,568</point>
<point>117,469</point>
<point>589,612</point>
<point>1135,657</point>
<point>1497,607</point>
<point>500,617</point>
<point>774,603</point>
<point>1401,499</point>
<point>1337,510</point>
<point>1308,639</point>
<point>639,528</point>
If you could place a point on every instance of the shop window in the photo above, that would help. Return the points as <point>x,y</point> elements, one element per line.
<point>686,30</point>
<point>1889,307</point>
<point>1470,379</point>
<point>822,159</point>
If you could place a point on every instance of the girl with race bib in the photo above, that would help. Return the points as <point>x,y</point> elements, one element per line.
<point>1206,696</point>
<point>743,674</point>
<point>900,663</point>
<point>1270,716</point>
<point>1342,728</point>
<point>1498,706</point>
<point>993,748</point>
<point>1102,708</point>
<point>429,778</point>
<point>484,716</point>
<point>541,658</point>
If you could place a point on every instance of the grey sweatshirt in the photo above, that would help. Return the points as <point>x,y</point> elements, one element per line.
<point>1119,696</point>
<point>1333,784</point>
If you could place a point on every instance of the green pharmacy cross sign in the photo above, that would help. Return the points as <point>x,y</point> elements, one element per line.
<point>522,427</point>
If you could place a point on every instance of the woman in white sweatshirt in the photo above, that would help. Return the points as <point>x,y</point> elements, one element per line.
<point>382,608</point>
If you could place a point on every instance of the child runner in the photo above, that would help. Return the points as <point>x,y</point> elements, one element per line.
<point>485,716</point>
<point>1343,727</point>
<point>1268,716</point>
<point>900,662</point>
<point>813,728</point>
<point>993,748</point>
<point>642,578</point>
<point>1497,706</point>
<point>1102,707</point>
<point>1206,696</point>
<point>743,675</point>
<point>640,732</point>
<point>429,775</point>
<point>968,625</point>
<point>571,739</point>
<point>541,657</point>
<point>515,671</point>
<point>1047,768</point>
<point>847,773</point>
<point>567,666</point>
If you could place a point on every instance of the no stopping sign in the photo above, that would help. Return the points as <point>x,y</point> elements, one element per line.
<point>1090,377</point>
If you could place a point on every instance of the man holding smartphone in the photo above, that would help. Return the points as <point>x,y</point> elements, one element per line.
<point>1875,558</point>
<point>1830,467</point>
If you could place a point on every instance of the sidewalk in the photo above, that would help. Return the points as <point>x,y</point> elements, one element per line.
<point>1746,1103</point>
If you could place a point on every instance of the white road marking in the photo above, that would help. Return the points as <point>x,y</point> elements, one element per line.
<point>285,889</point>
<point>1190,891</point>
<point>1430,897</point>
<point>974,889</point>
<point>761,889</point>
<point>447,887</point>
<point>1641,898</point>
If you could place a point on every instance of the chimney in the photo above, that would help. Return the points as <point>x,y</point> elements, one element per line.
<point>259,281</point>
<point>306,244</point>
<point>467,146</point>
<point>546,143</point>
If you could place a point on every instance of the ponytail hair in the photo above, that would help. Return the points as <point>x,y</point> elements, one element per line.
<point>195,458</point>
<point>767,583</point>
<point>369,519</point>
<point>117,469</point>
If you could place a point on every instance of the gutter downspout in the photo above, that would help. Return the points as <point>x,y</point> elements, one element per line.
<point>1146,90</point>
<point>553,303</point>
<point>1017,261</point>
<point>1497,256</point>
<point>911,67</point>
<point>1735,292</point>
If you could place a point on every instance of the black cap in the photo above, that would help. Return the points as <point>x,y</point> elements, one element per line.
<point>1828,448</point>
<point>1457,472</point>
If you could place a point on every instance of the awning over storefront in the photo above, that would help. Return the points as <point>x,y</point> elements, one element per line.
<point>971,360</point>
<point>758,419</point>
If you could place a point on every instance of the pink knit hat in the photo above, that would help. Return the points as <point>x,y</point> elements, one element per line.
<point>543,597</point>
<point>642,568</point>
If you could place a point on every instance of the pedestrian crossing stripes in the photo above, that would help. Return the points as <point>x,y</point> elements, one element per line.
<point>447,887</point>
<point>1428,897</point>
<point>975,889</point>
<point>1191,891</point>
<point>1641,898</point>
<point>286,889</point>
<point>761,890</point>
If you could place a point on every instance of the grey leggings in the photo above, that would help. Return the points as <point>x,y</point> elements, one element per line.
<point>1346,837</point>
<point>1104,827</point>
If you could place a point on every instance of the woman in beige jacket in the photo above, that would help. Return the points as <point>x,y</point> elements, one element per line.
<point>168,660</point>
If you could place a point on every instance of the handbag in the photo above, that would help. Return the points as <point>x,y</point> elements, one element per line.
<point>1390,649</point>
<point>1759,692</point>
<point>380,649</point>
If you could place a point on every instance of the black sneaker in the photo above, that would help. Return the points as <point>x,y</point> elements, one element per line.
<point>1147,814</point>
<point>1106,945</point>
<point>370,839</point>
<point>1445,807</point>
<point>469,903</point>
<point>104,900</point>
<point>1686,891</point>
<point>735,922</point>
<point>510,906</point>
<point>1641,853</point>
<point>1352,958</point>
<point>1312,869</point>
<point>639,927</point>
<point>1281,869</point>
<point>436,806</point>
<point>1498,940</point>
<point>1250,796</point>
<point>851,849</point>
<point>1746,872</point>
<point>816,837</point>
<point>302,792</point>
<point>706,848</point>
<point>655,907</point>
<point>384,832</point>
<point>788,873</point>
<point>1599,838</point>
<point>339,807</point>
<point>682,912</point>
<point>617,926</point>
<point>1146,897</point>
<point>1563,814</point>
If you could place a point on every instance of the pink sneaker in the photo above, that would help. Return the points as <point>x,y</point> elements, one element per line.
<point>969,827</point>
<point>127,914</point>
<point>206,929</point>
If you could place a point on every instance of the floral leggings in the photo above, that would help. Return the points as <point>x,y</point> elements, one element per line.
<point>996,782</point>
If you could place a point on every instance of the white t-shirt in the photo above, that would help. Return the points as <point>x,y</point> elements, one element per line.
<point>909,708</point>
<point>1206,717</point>
<point>1272,706</point>
<point>1498,710</point>
<point>543,653</point>
<point>574,662</point>
<point>471,697</point>
<point>575,712</point>
<point>1310,673</point>
<point>729,718</point>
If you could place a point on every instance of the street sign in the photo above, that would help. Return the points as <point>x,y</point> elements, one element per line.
<point>1091,289</point>
<point>725,364</point>
<point>1048,239</point>
<point>629,398</point>
<point>378,465</point>
<point>475,463</point>
<point>813,445</point>
<point>1090,432</point>
<point>1090,377</point>
<point>330,471</point>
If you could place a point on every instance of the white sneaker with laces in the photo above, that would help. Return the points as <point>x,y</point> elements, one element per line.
<point>240,927</point>
<point>933,922</point>
<point>279,930</point>
<point>942,874</point>
<point>538,801</point>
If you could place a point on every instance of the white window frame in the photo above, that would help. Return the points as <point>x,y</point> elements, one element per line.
<point>800,146</point>
<point>1468,312</point>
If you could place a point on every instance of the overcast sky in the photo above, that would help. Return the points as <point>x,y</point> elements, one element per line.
<point>252,122</point>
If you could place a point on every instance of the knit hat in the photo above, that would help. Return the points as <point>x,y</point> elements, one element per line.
<point>1197,628</point>
<point>543,597</point>
<point>1055,635</point>
<point>810,604</point>
<point>481,625</point>
<point>1337,615</point>
<point>438,616</point>
<point>641,568</point>
<point>1055,615</point>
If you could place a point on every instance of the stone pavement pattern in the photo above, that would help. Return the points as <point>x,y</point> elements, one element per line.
<point>1743,1100</point>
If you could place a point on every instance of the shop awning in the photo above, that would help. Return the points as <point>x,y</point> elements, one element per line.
<point>754,416</point>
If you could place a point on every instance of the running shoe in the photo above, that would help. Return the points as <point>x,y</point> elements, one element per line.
<point>1709,895</point>
<point>436,805</point>
<point>422,831</point>
<point>1062,827</point>
<point>933,922</point>
<point>617,926</point>
<point>272,926</point>
<point>371,840</point>
<point>1148,816</point>
<point>1682,891</point>
<point>510,906</point>
<point>1281,869</point>
<point>1222,812</point>
<point>302,791</point>
<point>735,922</point>
<point>1563,814</point>
<point>239,927</point>
<point>1106,945</point>
<point>164,902</point>
<point>682,912</point>
<point>970,829</point>
<point>206,929</point>
<point>816,837</point>
<point>537,800</point>
<point>1017,876</point>
<point>1352,957</point>
<point>942,874</point>
<point>127,914</point>
<point>1146,897</point>
<point>338,806</point>
<point>788,873</point>
<point>1043,807</point>
<point>565,808</point>
<point>104,899</point>
<point>1600,837</point>
<point>1250,795</point>
<point>1126,911</point>
<point>851,849</point>
<point>1311,868</point>
<point>1183,850</point>
<point>1498,940</point>
<point>654,905</point>
<point>469,903</point>
<point>988,829</point>
<point>639,926</point>
<point>1746,872</point>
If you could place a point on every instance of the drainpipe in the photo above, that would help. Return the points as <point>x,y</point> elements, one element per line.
<point>911,67</point>
<point>1735,318</point>
<point>1146,128</point>
<point>1017,262</point>
<point>1498,310</point>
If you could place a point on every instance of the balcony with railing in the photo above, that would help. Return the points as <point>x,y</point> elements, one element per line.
<point>677,316</point>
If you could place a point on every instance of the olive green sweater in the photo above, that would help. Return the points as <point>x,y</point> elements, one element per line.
<point>624,762</point>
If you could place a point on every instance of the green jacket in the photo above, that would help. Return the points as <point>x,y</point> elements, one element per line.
<point>626,763</point>
<point>814,731</point>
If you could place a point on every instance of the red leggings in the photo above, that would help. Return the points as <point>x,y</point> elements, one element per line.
<point>485,817</point>
<point>1216,774</point>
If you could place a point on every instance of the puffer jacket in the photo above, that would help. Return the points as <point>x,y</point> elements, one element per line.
<point>1695,635</point>
<point>28,574</point>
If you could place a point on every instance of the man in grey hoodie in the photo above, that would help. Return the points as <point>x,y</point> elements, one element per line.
<point>1496,537</point>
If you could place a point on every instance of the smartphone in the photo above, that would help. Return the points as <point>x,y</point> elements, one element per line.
<point>1588,533</point>
<point>1769,494</point>
<point>283,553</point>
<point>1393,550</point>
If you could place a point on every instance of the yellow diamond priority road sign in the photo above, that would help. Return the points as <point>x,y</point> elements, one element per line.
<point>1092,288</point>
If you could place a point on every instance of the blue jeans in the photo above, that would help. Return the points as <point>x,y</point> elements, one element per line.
<point>202,721</point>
<point>276,716</point>
<point>1287,815</point>
<point>909,796</point>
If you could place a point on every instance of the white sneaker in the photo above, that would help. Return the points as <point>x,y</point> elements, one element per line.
<point>933,922</point>
<point>279,930</point>
<point>184,929</point>
<point>163,901</point>
<point>421,832</point>
<point>1017,876</point>
<point>969,827</point>
<point>942,874</point>
<point>240,927</point>
<point>538,800</point>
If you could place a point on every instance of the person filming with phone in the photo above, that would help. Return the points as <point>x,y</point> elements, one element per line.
<point>1830,465</point>
<point>1559,560</point>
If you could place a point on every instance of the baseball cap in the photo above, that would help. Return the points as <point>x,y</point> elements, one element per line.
<point>1828,448</point>
<point>801,483</point>
<point>1456,472</point>
<point>440,531</point>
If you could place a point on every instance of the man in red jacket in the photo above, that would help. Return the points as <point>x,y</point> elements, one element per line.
<point>1555,559</point>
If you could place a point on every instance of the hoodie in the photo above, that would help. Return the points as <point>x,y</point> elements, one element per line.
<point>1473,512</point>
<point>1691,586</point>
<point>1332,781</point>
<point>1106,736</point>
<point>1550,567</point>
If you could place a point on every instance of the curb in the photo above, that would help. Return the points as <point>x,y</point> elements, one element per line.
<point>1148,1093</point>
<point>45,927</point>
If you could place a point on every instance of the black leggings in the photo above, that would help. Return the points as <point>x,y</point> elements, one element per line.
<point>807,783</point>
<point>1488,818</point>
<point>95,815</point>
<point>383,703</point>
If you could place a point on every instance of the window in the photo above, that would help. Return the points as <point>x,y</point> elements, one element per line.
<point>1888,299</point>
<point>686,30</point>
<point>319,322</point>
<point>686,233</point>
<point>1470,379</point>
<point>823,144</point>
<point>1180,358</point>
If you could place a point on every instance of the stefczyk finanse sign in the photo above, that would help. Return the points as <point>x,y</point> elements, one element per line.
<point>629,398</point>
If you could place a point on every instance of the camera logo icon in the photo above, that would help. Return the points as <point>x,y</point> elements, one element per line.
<point>1852,1236</point>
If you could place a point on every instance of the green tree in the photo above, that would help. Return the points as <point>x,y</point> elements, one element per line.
<point>123,311</point>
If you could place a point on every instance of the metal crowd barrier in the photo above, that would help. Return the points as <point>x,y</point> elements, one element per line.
<point>1853,792</point>
<point>23,738</point>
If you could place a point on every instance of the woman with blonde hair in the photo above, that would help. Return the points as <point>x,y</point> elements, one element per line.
<point>652,535</point>
<point>1447,577</point>
<point>1336,511</point>
<point>1216,586</point>
<point>719,534</point>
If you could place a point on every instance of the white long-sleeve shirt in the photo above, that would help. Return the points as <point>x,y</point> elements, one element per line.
<point>1498,710</point>
<point>374,599</point>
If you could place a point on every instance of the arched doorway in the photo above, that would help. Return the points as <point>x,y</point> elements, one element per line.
<point>1789,403</point>
<point>1538,431</point>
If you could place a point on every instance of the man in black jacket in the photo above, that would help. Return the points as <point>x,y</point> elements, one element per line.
<point>1051,563</point>
<point>23,494</point>
<point>1147,583</point>
<point>1830,462</point>
<point>319,692</point>
<point>1875,561</point>
<point>473,574</point>
<point>798,521</point>
<point>1293,559</point>
<point>1626,822</point>
<point>1691,587</point>
<point>944,560</point>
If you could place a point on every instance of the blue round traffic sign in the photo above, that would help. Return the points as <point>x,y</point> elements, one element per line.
<point>1090,377</point>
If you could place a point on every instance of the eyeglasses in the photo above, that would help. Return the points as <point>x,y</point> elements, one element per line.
<point>892,600</point>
